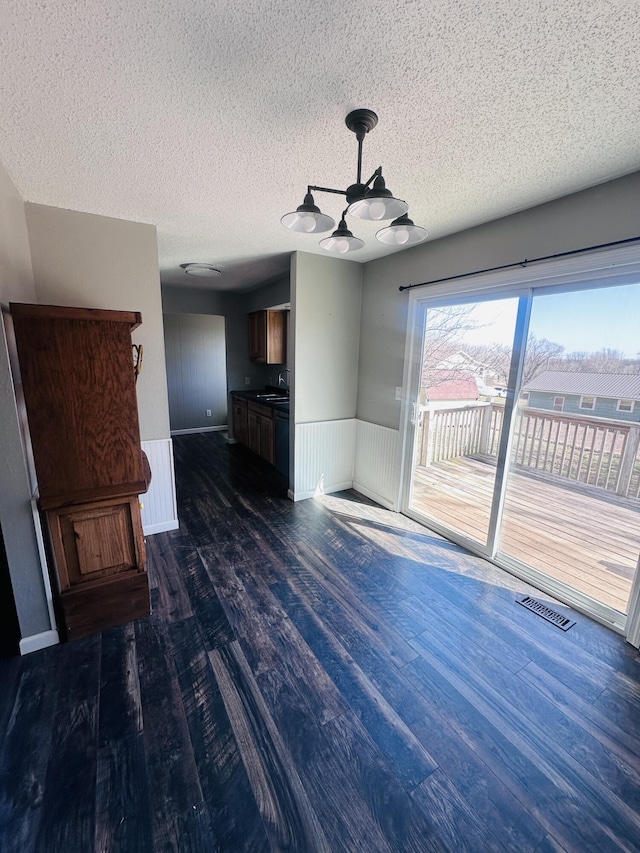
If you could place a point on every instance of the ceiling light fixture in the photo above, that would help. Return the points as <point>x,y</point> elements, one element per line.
<point>402,232</point>
<point>201,270</point>
<point>370,201</point>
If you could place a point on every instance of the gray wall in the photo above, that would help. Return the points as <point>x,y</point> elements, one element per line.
<point>196,370</point>
<point>326,297</point>
<point>238,364</point>
<point>80,259</point>
<point>16,284</point>
<point>234,307</point>
<point>601,214</point>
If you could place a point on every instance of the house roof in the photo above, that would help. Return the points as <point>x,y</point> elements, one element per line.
<point>459,359</point>
<point>618,386</point>
<point>452,385</point>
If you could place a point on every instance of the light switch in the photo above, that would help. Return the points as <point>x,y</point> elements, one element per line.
<point>398,392</point>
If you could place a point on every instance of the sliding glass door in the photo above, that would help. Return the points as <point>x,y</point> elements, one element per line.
<point>572,505</point>
<point>464,374</point>
<point>525,436</point>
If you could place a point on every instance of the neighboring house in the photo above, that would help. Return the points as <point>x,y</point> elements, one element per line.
<point>450,387</point>
<point>463,361</point>
<point>600,395</point>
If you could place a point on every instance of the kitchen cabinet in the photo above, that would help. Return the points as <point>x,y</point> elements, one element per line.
<point>240,423</point>
<point>268,337</point>
<point>260,423</point>
<point>76,370</point>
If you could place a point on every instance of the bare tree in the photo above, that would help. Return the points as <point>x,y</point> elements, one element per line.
<point>496,359</point>
<point>445,330</point>
<point>605,360</point>
<point>539,355</point>
<point>444,334</point>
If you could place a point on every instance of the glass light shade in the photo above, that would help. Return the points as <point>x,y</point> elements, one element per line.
<point>307,218</point>
<point>402,232</point>
<point>342,241</point>
<point>378,204</point>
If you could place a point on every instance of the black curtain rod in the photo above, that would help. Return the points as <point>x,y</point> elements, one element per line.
<point>524,263</point>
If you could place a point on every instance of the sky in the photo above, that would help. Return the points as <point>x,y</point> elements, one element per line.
<point>582,321</point>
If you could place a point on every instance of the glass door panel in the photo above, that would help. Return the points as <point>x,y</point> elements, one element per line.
<point>463,387</point>
<point>572,503</point>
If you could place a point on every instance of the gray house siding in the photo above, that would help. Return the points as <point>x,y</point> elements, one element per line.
<point>606,407</point>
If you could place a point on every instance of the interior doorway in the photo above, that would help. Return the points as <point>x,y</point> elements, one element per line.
<point>195,352</point>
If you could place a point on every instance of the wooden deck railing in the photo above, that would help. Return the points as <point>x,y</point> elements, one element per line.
<point>592,451</point>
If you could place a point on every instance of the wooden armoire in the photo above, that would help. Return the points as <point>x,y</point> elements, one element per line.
<point>77,374</point>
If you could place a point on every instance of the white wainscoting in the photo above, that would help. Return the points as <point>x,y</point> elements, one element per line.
<point>324,453</point>
<point>159,511</point>
<point>377,463</point>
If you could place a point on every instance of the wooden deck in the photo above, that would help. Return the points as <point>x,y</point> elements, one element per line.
<point>586,540</point>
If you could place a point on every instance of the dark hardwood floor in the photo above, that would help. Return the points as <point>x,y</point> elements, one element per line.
<point>320,676</point>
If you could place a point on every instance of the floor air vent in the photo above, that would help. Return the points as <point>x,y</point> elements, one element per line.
<point>547,613</point>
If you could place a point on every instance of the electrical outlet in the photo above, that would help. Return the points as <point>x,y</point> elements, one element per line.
<point>208,413</point>
<point>247,380</point>
<point>398,392</point>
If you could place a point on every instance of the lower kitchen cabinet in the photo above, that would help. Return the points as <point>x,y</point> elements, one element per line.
<point>260,420</point>
<point>240,420</point>
<point>253,427</point>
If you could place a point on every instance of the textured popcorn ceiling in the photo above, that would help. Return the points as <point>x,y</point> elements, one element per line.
<point>209,118</point>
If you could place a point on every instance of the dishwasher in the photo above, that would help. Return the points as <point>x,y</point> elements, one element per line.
<point>282,442</point>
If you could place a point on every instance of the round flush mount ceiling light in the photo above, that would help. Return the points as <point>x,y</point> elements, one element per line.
<point>201,270</point>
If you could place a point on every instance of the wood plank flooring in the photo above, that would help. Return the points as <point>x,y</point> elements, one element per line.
<point>583,537</point>
<point>320,676</point>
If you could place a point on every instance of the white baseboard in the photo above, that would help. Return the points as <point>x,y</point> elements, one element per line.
<point>38,641</point>
<point>198,429</point>
<point>328,490</point>
<point>161,527</point>
<point>374,496</point>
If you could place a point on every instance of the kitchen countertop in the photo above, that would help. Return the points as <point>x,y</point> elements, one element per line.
<point>255,396</point>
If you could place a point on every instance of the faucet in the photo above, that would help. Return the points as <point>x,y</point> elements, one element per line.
<point>281,377</point>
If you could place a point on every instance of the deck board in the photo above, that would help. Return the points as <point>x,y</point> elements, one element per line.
<point>588,541</point>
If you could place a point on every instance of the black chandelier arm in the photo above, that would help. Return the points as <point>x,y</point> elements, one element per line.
<point>311,188</point>
<point>377,173</point>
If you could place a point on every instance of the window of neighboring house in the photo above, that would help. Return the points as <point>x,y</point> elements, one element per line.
<point>525,397</point>
<point>558,404</point>
<point>588,403</point>
<point>625,405</point>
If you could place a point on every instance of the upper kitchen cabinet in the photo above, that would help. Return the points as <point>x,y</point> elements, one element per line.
<point>268,337</point>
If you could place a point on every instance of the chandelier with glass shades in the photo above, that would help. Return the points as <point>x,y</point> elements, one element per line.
<point>370,200</point>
